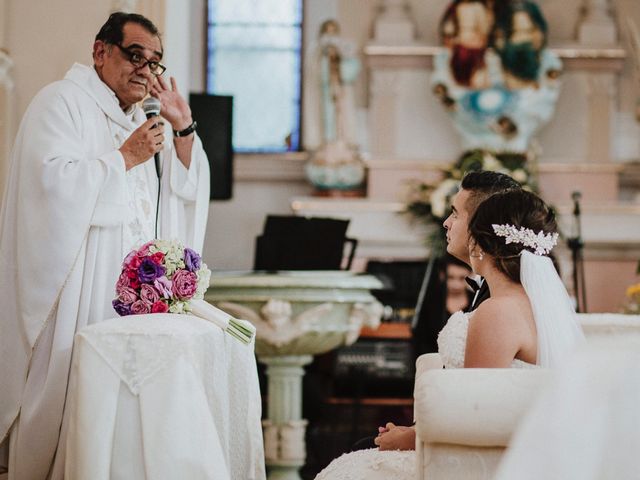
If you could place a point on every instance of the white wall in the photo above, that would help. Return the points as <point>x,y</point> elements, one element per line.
<point>177,42</point>
<point>46,37</point>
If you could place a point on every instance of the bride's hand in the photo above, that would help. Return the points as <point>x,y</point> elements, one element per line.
<point>386,428</point>
<point>396,438</point>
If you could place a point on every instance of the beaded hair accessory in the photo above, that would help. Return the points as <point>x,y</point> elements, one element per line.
<point>541,243</point>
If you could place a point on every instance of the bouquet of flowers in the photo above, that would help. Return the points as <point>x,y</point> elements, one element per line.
<point>164,276</point>
<point>632,305</point>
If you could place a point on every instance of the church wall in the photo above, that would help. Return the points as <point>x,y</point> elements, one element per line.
<point>44,45</point>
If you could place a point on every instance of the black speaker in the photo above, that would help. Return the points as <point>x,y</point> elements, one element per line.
<point>214,114</point>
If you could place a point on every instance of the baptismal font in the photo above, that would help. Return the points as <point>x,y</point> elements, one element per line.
<point>297,315</point>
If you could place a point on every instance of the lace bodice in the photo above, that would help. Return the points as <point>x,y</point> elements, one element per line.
<point>452,342</point>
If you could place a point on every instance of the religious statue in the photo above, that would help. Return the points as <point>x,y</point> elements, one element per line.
<point>336,165</point>
<point>465,30</point>
<point>497,79</point>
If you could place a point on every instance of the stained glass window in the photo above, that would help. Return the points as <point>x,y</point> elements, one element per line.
<point>254,53</point>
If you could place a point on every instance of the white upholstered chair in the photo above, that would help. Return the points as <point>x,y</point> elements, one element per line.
<point>465,418</point>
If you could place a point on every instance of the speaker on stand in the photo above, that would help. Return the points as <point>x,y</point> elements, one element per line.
<point>214,114</point>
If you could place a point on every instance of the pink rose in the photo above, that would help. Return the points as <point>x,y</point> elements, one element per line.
<point>128,258</point>
<point>123,281</point>
<point>127,295</point>
<point>159,307</point>
<point>149,294</point>
<point>143,251</point>
<point>185,284</point>
<point>140,307</point>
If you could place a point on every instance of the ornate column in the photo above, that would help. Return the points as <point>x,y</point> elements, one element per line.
<point>284,429</point>
<point>597,26</point>
<point>296,315</point>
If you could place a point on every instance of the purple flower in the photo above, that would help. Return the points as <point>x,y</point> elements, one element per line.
<point>163,285</point>
<point>140,307</point>
<point>120,308</point>
<point>148,294</point>
<point>185,284</point>
<point>149,270</point>
<point>192,260</point>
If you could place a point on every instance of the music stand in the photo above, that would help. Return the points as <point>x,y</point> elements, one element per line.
<point>300,243</point>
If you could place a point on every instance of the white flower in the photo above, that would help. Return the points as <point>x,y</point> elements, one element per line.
<point>519,175</point>
<point>440,196</point>
<point>489,162</point>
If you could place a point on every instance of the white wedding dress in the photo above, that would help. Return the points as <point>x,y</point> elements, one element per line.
<point>373,464</point>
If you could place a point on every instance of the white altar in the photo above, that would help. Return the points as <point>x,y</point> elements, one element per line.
<point>163,396</point>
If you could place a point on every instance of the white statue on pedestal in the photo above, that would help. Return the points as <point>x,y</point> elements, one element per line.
<point>336,164</point>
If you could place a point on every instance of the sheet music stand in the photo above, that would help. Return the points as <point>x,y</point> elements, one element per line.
<point>299,243</point>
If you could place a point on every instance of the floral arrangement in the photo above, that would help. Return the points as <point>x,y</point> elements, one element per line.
<point>632,305</point>
<point>162,276</point>
<point>429,202</point>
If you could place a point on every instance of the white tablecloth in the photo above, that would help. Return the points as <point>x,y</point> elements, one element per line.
<point>163,396</point>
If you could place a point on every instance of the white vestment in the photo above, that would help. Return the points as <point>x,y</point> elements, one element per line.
<point>66,225</point>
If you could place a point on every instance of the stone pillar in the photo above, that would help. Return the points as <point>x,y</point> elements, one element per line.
<point>393,25</point>
<point>384,99</point>
<point>284,429</point>
<point>597,26</point>
<point>600,93</point>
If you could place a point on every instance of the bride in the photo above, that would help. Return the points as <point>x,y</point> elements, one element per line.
<point>528,322</point>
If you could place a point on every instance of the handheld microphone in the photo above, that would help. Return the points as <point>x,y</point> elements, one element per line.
<point>151,107</point>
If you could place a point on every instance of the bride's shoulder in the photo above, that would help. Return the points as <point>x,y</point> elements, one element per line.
<point>496,311</point>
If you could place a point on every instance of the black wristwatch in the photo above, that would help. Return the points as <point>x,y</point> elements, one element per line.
<point>187,131</point>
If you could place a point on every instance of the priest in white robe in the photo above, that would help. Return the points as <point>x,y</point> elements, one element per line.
<point>82,193</point>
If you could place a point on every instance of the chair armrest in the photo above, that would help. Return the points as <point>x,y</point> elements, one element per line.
<point>428,361</point>
<point>479,407</point>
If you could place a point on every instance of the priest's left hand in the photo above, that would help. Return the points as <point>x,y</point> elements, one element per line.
<point>174,107</point>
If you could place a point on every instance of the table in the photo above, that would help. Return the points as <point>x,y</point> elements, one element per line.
<point>163,396</point>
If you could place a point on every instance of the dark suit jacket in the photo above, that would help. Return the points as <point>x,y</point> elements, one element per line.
<point>481,295</point>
